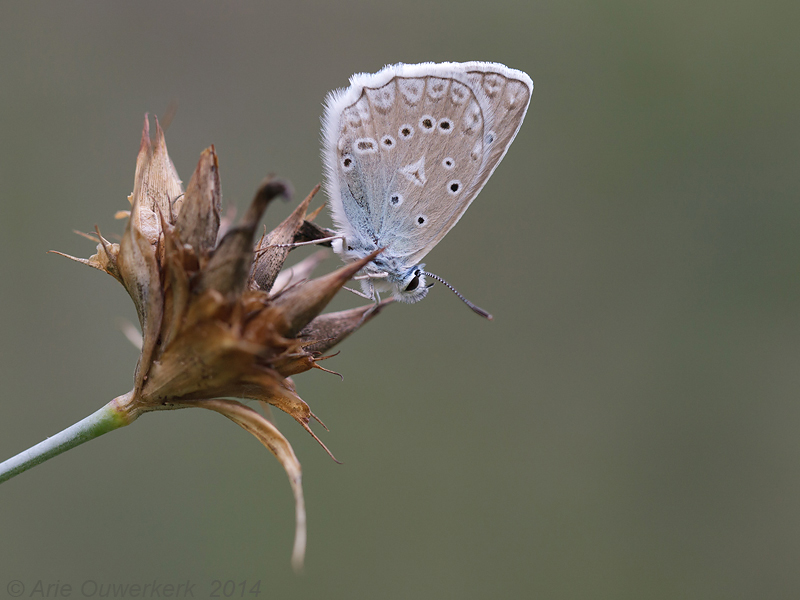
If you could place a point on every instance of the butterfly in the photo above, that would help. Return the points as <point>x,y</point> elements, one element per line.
<point>405,151</point>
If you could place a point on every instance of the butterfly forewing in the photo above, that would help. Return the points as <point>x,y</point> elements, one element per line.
<point>494,113</point>
<point>505,101</point>
<point>432,162</point>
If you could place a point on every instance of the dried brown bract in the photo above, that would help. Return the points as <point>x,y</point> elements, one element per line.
<point>220,317</point>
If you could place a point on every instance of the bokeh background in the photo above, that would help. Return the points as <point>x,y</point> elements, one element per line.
<point>627,427</point>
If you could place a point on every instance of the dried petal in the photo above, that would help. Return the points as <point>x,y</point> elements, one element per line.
<point>138,269</point>
<point>156,186</point>
<point>198,221</point>
<point>176,289</point>
<point>229,267</point>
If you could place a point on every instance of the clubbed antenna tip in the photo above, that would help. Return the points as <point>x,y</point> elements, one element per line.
<point>476,309</point>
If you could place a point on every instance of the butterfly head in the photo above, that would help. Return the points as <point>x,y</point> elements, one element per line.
<point>411,287</point>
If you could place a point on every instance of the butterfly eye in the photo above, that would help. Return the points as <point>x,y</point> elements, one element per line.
<point>414,284</point>
<point>427,122</point>
<point>347,162</point>
<point>421,220</point>
<point>489,137</point>
<point>445,126</point>
<point>396,199</point>
<point>387,142</point>
<point>453,187</point>
<point>448,163</point>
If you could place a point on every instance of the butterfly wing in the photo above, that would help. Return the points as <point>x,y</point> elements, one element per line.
<point>408,149</point>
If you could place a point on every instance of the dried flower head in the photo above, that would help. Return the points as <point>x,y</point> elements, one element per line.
<point>219,316</point>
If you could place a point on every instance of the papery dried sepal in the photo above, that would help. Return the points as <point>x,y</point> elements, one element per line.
<point>328,329</point>
<point>301,304</point>
<point>271,438</point>
<point>315,213</point>
<point>104,260</point>
<point>286,399</point>
<point>139,271</point>
<point>298,272</point>
<point>272,248</point>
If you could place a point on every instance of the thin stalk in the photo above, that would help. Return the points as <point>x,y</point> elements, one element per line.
<point>113,415</point>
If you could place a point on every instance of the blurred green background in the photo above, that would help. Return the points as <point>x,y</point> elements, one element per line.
<point>627,427</point>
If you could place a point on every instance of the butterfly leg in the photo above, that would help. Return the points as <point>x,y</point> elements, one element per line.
<point>357,293</point>
<point>372,293</point>
<point>298,244</point>
<point>376,296</point>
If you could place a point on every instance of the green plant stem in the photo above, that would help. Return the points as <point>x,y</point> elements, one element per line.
<point>113,415</point>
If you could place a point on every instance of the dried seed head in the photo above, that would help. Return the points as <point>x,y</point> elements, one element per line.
<point>219,319</point>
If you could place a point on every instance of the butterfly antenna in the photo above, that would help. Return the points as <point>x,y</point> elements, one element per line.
<point>476,309</point>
